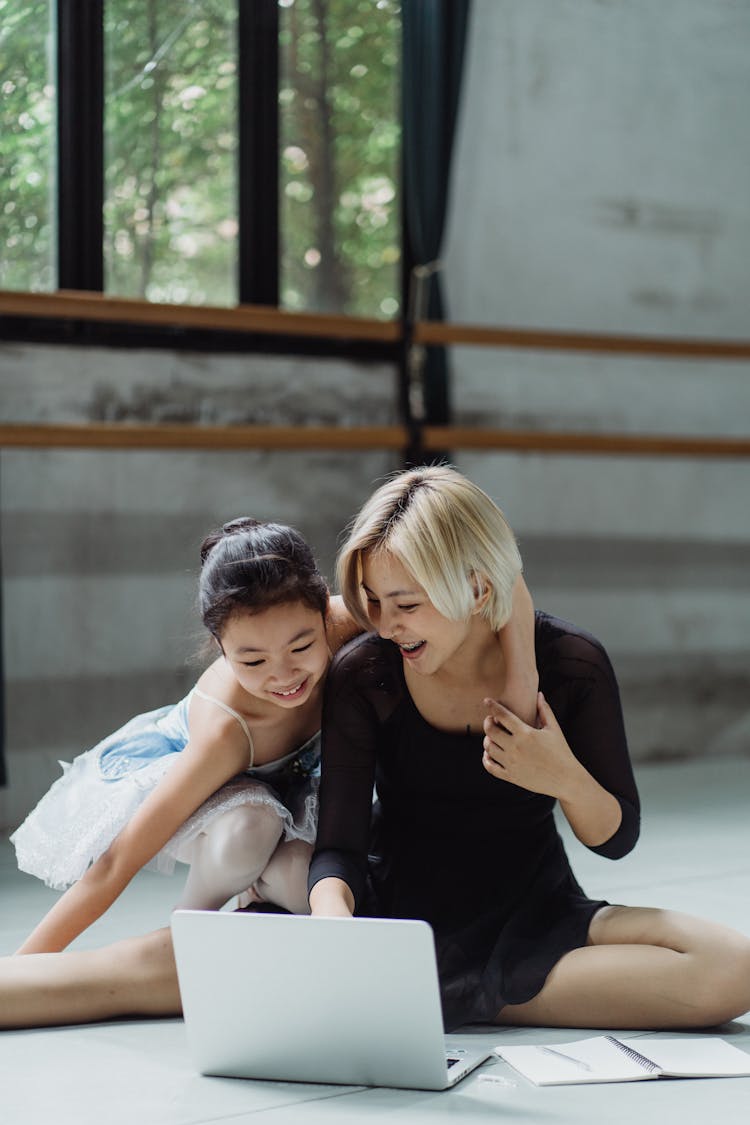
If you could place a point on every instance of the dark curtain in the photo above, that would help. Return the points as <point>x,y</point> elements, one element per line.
<point>3,775</point>
<point>434,36</point>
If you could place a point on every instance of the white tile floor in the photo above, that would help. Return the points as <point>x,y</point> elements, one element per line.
<point>693,855</point>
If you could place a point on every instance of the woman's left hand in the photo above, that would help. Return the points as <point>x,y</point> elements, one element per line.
<point>534,758</point>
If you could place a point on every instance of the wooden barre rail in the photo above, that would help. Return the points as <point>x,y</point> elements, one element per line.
<point>439,333</point>
<point>116,435</point>
<point>540,441</point>
<point>262,319</point>
<point>124,435</point>
<point>242,318</point>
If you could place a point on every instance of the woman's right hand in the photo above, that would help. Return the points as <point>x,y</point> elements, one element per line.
<point>331,898</point>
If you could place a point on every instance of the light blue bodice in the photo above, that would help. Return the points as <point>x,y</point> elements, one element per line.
<point>155,734</point>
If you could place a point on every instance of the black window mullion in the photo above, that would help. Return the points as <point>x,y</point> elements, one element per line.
<point>80,143</point>
<point>258,160</point>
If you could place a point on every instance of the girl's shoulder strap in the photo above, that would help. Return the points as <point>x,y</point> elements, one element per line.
<point>235,715</point>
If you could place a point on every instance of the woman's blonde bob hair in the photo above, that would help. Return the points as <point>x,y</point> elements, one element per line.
<point>450,536</point>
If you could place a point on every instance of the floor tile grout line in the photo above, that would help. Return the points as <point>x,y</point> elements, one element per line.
<point>283,1105</point>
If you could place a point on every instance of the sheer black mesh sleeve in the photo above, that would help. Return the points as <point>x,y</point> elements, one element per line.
<point>363,691</point>
<point>356,697</point>
<point>579,684</point>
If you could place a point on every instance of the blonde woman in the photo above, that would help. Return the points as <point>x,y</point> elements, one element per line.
<point>463,829</point>
<point>147,792</point>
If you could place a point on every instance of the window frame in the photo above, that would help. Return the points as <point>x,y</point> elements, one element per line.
<point>80,135</point>
<point>80,195</point>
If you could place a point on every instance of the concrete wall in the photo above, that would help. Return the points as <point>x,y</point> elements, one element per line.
<point>602,175</point>
<point>100,549</point>
<point>602,183</point>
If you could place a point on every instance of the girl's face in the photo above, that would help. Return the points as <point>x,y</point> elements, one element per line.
<point>401,612</point>
<point>279,654</point>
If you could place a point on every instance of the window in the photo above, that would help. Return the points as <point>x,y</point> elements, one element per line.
<point>27,146</point>
<point>170,140</point>
<point>338,96</point>
<point>210,152</point>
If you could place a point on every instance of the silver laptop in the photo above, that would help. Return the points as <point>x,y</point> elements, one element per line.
<point>299,999</point>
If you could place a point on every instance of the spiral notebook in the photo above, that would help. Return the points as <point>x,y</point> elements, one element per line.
<point>604,1058</point>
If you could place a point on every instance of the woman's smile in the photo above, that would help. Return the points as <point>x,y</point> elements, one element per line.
<point>402,613</point>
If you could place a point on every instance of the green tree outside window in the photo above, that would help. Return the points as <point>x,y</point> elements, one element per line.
<point>27,146</point>
<point>170,152</point>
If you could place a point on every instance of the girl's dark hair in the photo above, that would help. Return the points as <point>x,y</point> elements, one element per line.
<point>251,566</point>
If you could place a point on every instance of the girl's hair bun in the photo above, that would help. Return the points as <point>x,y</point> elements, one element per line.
<point>240,523</point>
<point>249,565</point>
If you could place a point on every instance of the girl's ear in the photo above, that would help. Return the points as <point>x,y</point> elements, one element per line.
<point>481,589</point>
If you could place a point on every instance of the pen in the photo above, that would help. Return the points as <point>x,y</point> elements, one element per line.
<point>569,1058</point>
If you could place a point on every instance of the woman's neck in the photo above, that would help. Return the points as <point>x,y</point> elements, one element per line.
<point>451,698</point>
<point>479,658</point>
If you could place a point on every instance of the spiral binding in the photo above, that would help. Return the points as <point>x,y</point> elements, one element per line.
<point>633,1055</point>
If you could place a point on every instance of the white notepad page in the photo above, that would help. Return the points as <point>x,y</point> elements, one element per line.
<point>694,1058</point>
<point>605,1059</point>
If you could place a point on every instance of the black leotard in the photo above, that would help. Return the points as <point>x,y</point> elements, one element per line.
<point>478,858</point>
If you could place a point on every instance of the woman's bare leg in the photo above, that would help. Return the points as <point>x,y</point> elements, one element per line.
<point>135,977</point>
<point>644,968</point>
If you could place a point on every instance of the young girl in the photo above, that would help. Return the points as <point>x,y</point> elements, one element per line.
<point>225,780</point>
<point>463,830</point>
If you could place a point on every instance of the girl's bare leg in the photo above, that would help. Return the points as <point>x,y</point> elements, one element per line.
<point>135,977</point>
<point>230,856</point>
<point>644,968</point>
<point>284,880</point>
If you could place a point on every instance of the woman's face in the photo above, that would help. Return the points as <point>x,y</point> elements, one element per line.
<point>279,654</point>
<point>401,612</point>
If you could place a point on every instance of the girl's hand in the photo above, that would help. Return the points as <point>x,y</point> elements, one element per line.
<point>217,750</point>
<point>517,644</point>
<point>536,758</point>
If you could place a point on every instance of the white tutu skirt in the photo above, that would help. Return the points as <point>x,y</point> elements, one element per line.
<point>86,808</point>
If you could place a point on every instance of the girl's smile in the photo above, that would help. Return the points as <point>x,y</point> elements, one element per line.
<point>280,654</point>
<point>294,692</point>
